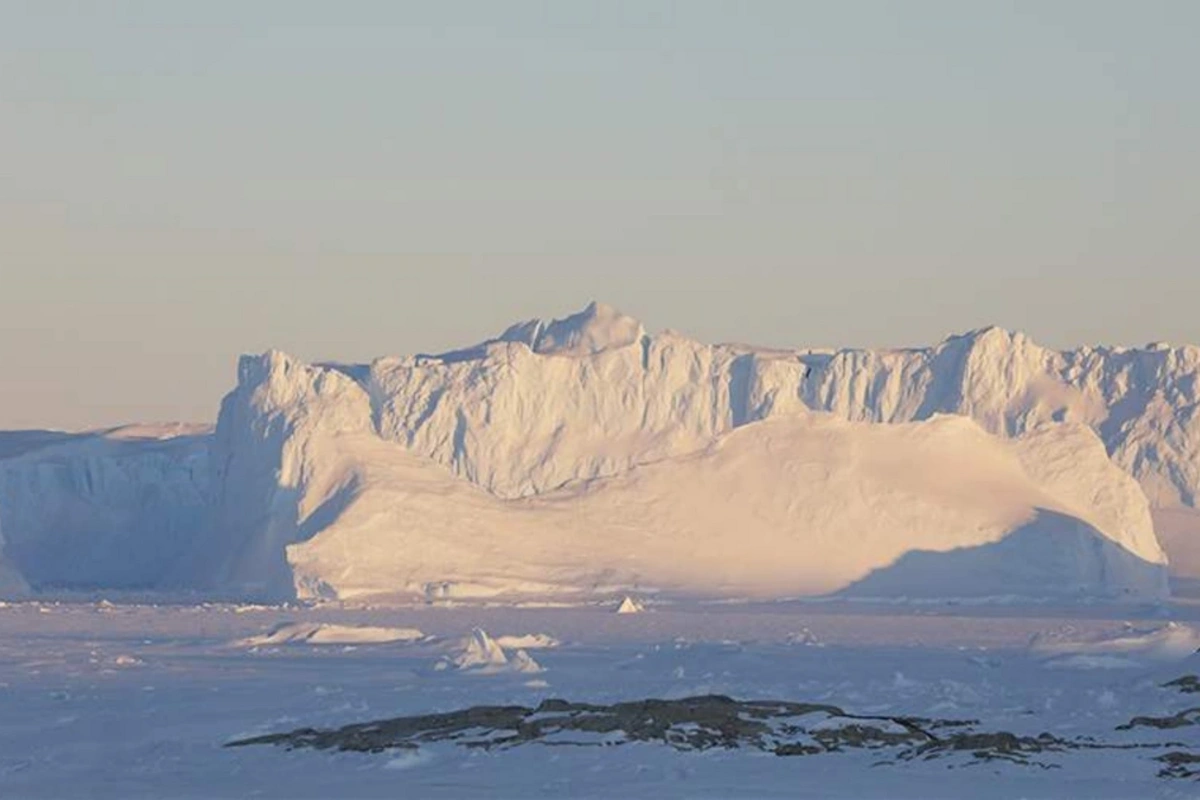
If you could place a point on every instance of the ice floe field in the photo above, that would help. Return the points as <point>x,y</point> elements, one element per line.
<point>930,700</point>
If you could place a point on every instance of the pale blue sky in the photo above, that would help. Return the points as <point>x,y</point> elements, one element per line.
<point>182,182</point>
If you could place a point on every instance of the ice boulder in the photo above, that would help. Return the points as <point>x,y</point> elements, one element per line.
<point>630,606</point>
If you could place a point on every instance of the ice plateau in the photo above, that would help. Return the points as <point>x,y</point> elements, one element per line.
<point>586,457</point>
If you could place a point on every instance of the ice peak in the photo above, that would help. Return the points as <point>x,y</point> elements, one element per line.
<point>595,329</point>
<point>990,341</point>
<point>630,606</point>
<point>255,367</point>
<point>990,334</point>
<point>479,651</point>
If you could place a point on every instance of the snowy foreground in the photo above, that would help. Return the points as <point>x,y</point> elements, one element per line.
<point>102,700</point>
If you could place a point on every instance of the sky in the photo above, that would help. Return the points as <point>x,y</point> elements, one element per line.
<point>184,182</point>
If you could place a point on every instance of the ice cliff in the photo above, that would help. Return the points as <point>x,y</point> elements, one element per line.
<point>547,403</point>
<point>114,509</point>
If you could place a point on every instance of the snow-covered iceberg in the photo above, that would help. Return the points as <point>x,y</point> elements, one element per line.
<point>586,456</point>
<point>320,504</point>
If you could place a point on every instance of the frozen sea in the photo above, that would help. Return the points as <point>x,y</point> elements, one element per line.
<point>131,700</point>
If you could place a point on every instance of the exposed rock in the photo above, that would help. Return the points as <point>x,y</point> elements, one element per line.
<point>692,723</point>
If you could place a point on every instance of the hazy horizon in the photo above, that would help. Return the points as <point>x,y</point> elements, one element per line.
<point>184,185</point>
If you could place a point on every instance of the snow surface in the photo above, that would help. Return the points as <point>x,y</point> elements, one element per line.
<point>123,701</point>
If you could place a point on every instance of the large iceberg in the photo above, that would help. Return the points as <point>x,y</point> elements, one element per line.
<point>586,455</point>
